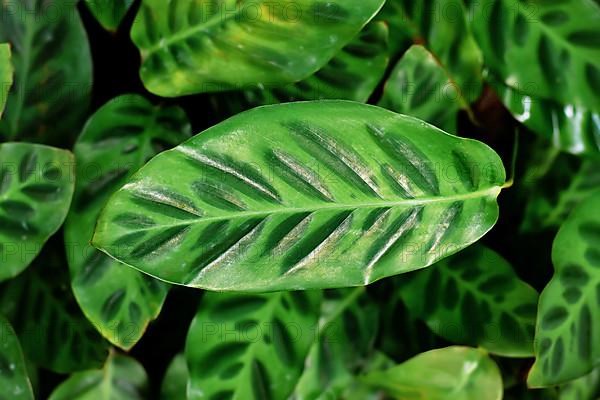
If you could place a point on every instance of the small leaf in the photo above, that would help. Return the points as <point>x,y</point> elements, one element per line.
<point>476,298</point>
<point>174,384</point>
<point>6,74</point>
<point>250,346</point>
<point>568,315</point>
<point>117,140</point>
<point>36,186</point>
<point>109,13</point>
<point>192,47</point>
<point>452,373</point>
<point>328,194</point>
<point>14,381</point>
<point>122,378</point>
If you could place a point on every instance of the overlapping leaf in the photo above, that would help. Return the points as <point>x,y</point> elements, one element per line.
<point>452,373</point>
<point>14,382</point>
<point>568,324</point>
<point>36,186</point>
<point>250,346</point>
<point>475,297</point>
<point>584,388</point>
<point>53,71</point>
<point>174,384</point>
<point>118,139</point>
<point>559,40</point>
<point>6,74</point>
<point>420,87</point>
<point>53,331</point>
<point>329,194</point>
<point>348,320</point>
<point>122,378</point>
<point>205,46</point>
<point>109,13</point>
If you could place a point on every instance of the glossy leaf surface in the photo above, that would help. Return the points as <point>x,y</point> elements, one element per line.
<point>420,87</point>
<point>53,72</point>
<point>53,331</point>
<point>475,297</point>
<point>558,38</point>
<point>174,384</point>
<point>36,186</point>
<point>317,202</point>
<point>451,373</point>
<point>192,46</point>
<point>122,378</point>
<point>6,74</point>
<point>250,346</point>
<point>568,322</point>
<point>14,381</point>
<point>117,140</point>
<point>109,13</point>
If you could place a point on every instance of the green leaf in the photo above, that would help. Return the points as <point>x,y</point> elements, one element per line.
<point>117,140</point>
<point>571,128</point>
<point>584,388</point>
<point>174,384</point>
<point>36,186</point>
<point>109,13</point>
<point>6,74</point>
<point>441,26</point>
<point>191,47</point>
<point>421,87</point>
<point>546,50</point>
<point>568,322</point>
<point>122,378</point>
<point>348,320</point>
<point>14,381</point>
<point>452,373</point>
<point>53,331</point>
<point>475,298</point>
<point>53,70</point>
<point>303,195</point>
<point>250,346</point>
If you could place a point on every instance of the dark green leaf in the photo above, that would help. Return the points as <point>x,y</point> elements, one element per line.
<point>109,13</point>
<point>174,384</point>
<point>14,382</point>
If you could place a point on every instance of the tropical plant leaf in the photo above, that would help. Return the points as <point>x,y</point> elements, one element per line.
<point>333,194</point>
<point>568,321</point>
<point>174,384</point>
<point>453,373</point>
<point>230,44</point>
<point>109,13</point>
<point>571,128</point>
<point>117,140</point>
<point>122,378</point>
<point>36,186</point>
<point>420,87</point>
<point>558,38</point>
<point>584,388</point>
<point>6,74</point>
<point>250,346</point>
<point>53,71</point>
<point>14,381</point>
<point>348,320</point>
<point>475,298</point>
<point>441,26</point>
<point>53,331</point>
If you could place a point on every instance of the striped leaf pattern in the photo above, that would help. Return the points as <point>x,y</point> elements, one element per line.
<point>53,71</point>
<point>421,87</point>
<point>328,194</point>
<point>568,324</point>
<point>36,186</point>
<point>559,38</point>
<point>6,74</point>
<point>121,378</point>
<point>109,13</point>
<point>475,298</point>
<point>117,140</point>
<point>250,346</point>
<point>54,333</point>
<point>14,381</point>
<point>193,46</point>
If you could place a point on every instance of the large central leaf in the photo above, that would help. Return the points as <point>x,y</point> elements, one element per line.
<point>303,195</point>
<point>192,46</point>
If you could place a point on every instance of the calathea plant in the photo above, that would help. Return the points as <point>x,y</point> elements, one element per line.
<point>378,199</point>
